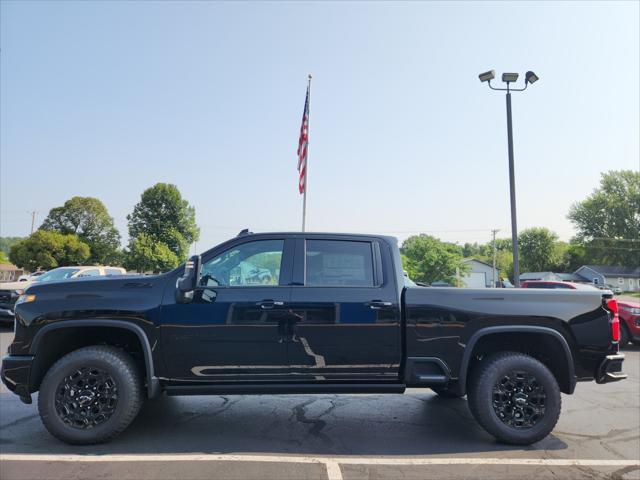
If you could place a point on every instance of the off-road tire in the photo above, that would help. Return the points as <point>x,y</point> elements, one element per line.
<point>122,370</point>
<point>480,397</point>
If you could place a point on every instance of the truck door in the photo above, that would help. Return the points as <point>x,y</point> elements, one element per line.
<point>234,327</point>
<point>345,312</point>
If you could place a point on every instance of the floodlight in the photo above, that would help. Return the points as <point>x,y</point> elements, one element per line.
<point>530,77</point>
<point>486,76</point>
<point>509,77</point>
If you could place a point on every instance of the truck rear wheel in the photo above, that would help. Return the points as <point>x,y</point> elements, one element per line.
<point>90,395</point>
<point>515,398</point>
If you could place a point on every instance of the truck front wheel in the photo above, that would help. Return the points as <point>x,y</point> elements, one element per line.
<point>514,397</point>
<point>90,395</point>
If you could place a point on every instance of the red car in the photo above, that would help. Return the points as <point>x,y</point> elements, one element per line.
<point>556,285</point>
<point>629,313</point>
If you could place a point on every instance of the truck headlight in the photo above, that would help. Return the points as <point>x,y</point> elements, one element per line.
<point>25,298</point>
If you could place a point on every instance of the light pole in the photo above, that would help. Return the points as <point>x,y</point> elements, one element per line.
<point>509,78</point>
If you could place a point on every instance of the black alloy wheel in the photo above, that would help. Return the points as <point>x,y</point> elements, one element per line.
<point>519,399</point>
<point>86,398</point>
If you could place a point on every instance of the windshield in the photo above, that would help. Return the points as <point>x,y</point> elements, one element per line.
<point>56,274</point>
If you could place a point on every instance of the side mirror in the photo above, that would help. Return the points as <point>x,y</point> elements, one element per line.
<point>188,282</point>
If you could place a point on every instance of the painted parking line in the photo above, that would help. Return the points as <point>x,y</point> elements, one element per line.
<point>555,462</point>
<point>332,464</point>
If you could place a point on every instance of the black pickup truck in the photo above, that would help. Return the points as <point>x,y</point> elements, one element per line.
<point>286,313</point>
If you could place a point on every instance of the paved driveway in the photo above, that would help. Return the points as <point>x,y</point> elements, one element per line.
<point>416,435</point>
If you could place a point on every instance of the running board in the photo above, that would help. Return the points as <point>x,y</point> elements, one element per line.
<point>283,388</point>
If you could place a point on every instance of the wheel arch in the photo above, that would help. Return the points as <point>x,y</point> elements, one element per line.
<point>153,383</point>
<point>566,379</point>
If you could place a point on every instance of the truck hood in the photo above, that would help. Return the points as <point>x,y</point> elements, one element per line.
<point>93,284</point>
<point>93,297</point>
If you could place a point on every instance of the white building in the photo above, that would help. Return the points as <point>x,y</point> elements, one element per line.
<point>479,275</point>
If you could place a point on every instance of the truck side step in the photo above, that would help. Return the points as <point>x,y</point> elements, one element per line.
<point>283,388</point>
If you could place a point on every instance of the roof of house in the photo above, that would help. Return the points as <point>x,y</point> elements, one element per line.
<point>469,260</point>
<point>571,277</point>
<point>615,271</point>
<point>536,275</point>
<point>9,267</point>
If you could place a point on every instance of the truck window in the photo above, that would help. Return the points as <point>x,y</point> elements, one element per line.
<point>338,263</point>
<point>113,271</point>
<point>249,264</point>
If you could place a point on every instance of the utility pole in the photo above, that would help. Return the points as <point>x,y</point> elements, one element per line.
<point>33,220</point>
<point>493,232</point>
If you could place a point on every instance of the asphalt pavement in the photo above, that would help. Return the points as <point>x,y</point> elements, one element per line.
<point>413,436</point>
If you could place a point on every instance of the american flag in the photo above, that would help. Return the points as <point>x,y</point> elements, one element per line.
<point>302,146</point>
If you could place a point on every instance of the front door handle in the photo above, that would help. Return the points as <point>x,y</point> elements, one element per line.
<point>378,304</point>
<point>270,304</point>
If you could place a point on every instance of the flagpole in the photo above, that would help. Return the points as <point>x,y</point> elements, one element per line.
<point>306,175</point>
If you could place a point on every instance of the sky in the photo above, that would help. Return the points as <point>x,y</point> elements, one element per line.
<point>107,98</point>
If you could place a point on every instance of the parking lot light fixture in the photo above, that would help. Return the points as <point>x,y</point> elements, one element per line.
<point>509,78</point>
<point>487,76</point>
<point>530,77</point>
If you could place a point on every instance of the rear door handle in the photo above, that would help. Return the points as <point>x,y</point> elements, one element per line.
<point>270,304</point>
<point>378,304</point>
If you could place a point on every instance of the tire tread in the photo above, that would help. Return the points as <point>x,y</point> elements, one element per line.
<point>121,361</point>
<point>484,374</point>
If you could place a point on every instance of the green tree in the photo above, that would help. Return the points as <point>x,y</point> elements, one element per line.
<point>165,217</point>
<point>45,249</point>
<point>569,257</point>
<point>538,249</point>
<point>484,253</point>
<point>7,242</point>
<point>148,255</point>
<point>89,219</point>
<point>608,220</point>
<point>3,258</point>
<point>427,259</point>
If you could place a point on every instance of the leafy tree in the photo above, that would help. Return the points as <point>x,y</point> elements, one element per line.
<point>484,253</point>
<point>165,217</point>
<point>608,221</point>
<point>3,258</point>
<point>538,249</point>
<point>45,249</point>
<point>7,242</point>
<point>569,257</point>
<point>88,218</point>
<point>428,259</point>
<point>148,255</point>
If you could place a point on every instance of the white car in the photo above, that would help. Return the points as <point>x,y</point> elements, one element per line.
<point>28,277</point>
<point>10,291</point>
<point>64,273</point>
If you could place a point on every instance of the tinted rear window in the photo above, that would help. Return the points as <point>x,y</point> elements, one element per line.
<point>332,263</point>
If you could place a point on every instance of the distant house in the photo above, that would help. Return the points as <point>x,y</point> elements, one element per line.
<point>571,277</point>
<point>9,272</point>
<point>627,278</point>
<point>479,275</point>
<point>544,276</point>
